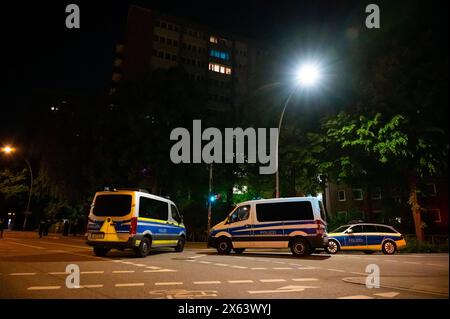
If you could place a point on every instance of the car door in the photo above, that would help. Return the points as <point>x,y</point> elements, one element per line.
<point>373,237</point>
<point>356,238</point>
<point>240,227</point>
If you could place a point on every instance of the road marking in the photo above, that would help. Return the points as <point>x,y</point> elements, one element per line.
<point>437,265</point>
<point>122,271</point>
<point>58,273</point>
<point>356,297</point>
<point>153,267</point>
<point>278,262</point>
<point>308,267</point>
<point>239,267</point>
<point>22,274</point>
<point>92,286</point>
<point>137,284</point>
<point>297,265</point>
<point>258,268</point>
<point>240,281</point>
<point>139,265</point>
<point>358,273</point>
<point>44,288</point>
<point>221,264</point>
<point>388,294</point>
<point>92,272</point>
<point>198,256</point>
<point>160,270</point>
<point>127,262</point>
<point>412,262</point>
<point>204,262</point>
<point>391,261</point>
<point>168,283</point>
<point>272,280</point>
<point>338,270</point>
<point>281,290</point>
<point>305,279</point>
<point>31,246</point>
<point>206,282</point>
<point>282,268</point>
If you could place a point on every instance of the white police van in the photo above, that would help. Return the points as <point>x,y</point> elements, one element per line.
<point>136,219</point>
<point>298,223</point>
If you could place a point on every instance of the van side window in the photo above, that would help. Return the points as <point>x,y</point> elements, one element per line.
<point>152,208</point>
<point>241,213</point>
<point>175,213</point>
<point>284,211</point>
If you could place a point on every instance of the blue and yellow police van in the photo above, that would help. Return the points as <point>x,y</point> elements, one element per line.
<point>366,237</point>
<point>133,219</point>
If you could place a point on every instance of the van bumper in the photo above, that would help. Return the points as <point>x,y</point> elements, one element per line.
<point>132,242</point>
<point>318,242</point>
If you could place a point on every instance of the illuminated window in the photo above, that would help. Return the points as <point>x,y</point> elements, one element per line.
<point>219,54</point>
<point>213,39</point>
<point>219,68</point>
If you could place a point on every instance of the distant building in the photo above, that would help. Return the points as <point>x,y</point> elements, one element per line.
<point>223,62</point>
<point>384,204</point>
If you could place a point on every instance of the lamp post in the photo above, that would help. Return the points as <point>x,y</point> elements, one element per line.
<point>306,76</point>
<point>9,150</point>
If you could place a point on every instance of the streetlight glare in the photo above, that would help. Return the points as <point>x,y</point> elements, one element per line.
<point>7,149</point>
<point>308,74</point>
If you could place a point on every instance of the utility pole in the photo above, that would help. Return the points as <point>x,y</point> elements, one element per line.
<point>209,200</point>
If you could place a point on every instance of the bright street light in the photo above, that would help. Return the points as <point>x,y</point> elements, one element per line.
<point>307,74</point>
<point>7,149</point>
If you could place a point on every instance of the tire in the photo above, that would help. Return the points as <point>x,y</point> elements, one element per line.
<point>223,246</point>
<point>144,248</point>
<point>333,247</point>
<point>300,247</point>
<point>369,252</point>
<point>180,245</point>
<point>238,250</point>
<point>389,247</point>
<point>100,251</point>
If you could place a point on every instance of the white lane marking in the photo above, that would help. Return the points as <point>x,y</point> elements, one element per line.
<point>206,282</point>
<point>412,262</point>
<point>116,261</point>
<point>58,273</point>
<point>44,288</point>
<point>278,262</point>
<point>139,265</point>
<point>198,256</point>
<point>282,268</point>
<point>358,273</point>
<point>22,274</point>
<point>191,260</point>
<point>272,280</point>
<point>204,262</point>
<point>153,267</point>
<point>437,265</point>
<point>239,267</point>
<point>258,268</point>
<point>31,246</point>
<point>240,281</point>
<point>281,290</point>
<point>92,272</point>
<point>356,297</point>
<point>296,265</point>
<point>391,261</point>
<point>388,294</point>
<point>168,283</point>
<point>127,262</point>
<point>338,270</point>
<point>160,270</point>
<point>122,271</point>
<point>137,284</point>
<point>308,267</point>
<point>305,279</point>
<point>92,286</point>
<point>218,264</point>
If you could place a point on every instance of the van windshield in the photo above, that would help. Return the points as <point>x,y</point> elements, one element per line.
<point>112,205</point>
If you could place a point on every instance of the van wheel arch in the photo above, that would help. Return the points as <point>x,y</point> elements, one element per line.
<point>224,251</point>
<point>300,240</point>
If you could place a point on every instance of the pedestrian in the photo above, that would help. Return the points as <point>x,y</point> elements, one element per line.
<point>47,226</point>
<point>2,226</point>
<point>41,228</point>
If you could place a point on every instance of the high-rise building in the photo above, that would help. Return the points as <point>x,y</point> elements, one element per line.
<point>224,63</point>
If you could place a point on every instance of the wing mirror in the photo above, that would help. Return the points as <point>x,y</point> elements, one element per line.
<point>349,231</point>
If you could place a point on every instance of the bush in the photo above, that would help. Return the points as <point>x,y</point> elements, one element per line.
<point>432,244</point>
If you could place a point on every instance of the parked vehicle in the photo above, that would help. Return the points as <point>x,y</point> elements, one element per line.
<point>130,218</point>
<point>298,223</point>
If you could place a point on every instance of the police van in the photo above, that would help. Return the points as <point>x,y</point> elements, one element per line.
<point>136,219</point>
<point>298,223</point>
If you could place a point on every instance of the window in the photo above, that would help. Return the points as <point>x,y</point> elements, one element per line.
<point>219,54</point>
<point>219,68</point>
<point>152,208</point>
<point>341,195</point>
<point>241,213</point>
<point>370,229</point>
<point>357,229</point>
<point>284,211</point>
<point>175,213</point>
<point>376,193</point>
<point>357,194</point>
<point>213,39</point>
<point>434,215</point>
<point>384,229</point>
<point>112,205</point>
<point>323,213</point>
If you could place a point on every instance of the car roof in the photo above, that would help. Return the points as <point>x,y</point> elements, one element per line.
<point>279,200</point>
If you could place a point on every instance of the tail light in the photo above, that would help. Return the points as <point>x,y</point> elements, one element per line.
<point>133,226</point>
<point>320,230</point>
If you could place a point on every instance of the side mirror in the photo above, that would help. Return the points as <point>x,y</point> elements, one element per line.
<point>349,231</point>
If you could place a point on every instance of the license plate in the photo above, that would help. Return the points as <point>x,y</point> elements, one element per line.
<point>97,235</point>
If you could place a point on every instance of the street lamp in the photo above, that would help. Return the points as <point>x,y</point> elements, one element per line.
<point>306,76</point>
<point>9,150</point>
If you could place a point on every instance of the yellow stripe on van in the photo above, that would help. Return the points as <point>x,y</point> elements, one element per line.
<point>143,219</point>
<point>164,242</point>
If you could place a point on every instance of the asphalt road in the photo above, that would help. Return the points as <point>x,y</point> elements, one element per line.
<point>36,268</point>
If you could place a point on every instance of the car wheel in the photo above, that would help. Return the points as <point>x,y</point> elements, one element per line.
<point>300,247</point>
<point>333,247</point>
<point>238,250</point>
<point>180,245</point>
<point>144,248</point>
<point>223,246</point>
<point>369,252</point>
<point>389,247</point>
<point>100,251</point>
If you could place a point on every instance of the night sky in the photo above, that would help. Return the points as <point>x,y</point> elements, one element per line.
<point>41,54</point>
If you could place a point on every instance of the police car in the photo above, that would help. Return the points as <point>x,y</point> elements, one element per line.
<point>365,237</point>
